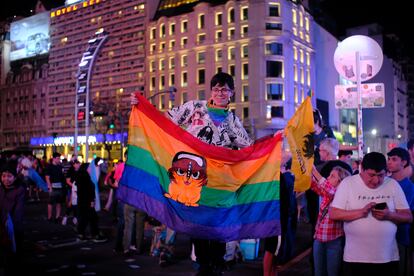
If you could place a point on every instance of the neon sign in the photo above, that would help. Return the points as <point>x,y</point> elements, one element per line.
<point>74,7</point>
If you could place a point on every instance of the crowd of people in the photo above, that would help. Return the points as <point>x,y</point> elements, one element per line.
<point>360,210</point>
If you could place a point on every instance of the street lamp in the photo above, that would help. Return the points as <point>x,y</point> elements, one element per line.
<point>374,132</point>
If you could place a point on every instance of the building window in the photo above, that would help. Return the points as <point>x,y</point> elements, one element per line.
<point>274,10</point>
<point>295,53</point>
<point>172,45</point>
<point>162,46</point>
<point>152,83</point>
<point>162,82</point>
<point>301,55</point>
<point>219,54</point>
<point>231,53</point>
<point>302,77</point>
<point>294,17</point>
<point>172,79</point>
<point>232,70</point>
<point>244,31</point>
<point>184,41</point>
<point>201,38</point>
<point>245,112</point>
<point>201,21</point>
<point>162,102</point>
<point>295,94</point>
<point>201,95</point>
<point>230,15</point>
<point>301,19</point>
<point>172,63</point>
<point>245,51</point>
<point>162,64</point>
<point>219,35</point>
<point>152,66</point>
<point>201,57</point>
<point>307,24</point>
<point>152,48</point>
<point>219,19</point>
<point>201,76</point>
<point>231,33</point>
<point>277,112</point>
<point>308,80</point>
<point>245,95</point>
<point>274,69</point>
<point>274,26</point>
<point>274,48</point>
<point>274,91</point>
<point>184,62</point>
<point>184,26</point>
<point>219,69</point>
<point>184,82</point>
<point>308,59</point>
<point>244,15</point>
<point>153,33</point>
<point>184,97</point>
<point>172,28</point>
<point>295,73</point>
<point>162,30</point>
<point>245,71</point>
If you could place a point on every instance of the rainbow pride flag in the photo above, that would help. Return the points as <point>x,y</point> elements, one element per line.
<point>204,191</point>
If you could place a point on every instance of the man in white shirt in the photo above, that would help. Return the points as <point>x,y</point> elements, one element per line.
<point>369,226</point>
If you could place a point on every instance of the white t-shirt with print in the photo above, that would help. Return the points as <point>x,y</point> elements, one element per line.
<point>369,240</point>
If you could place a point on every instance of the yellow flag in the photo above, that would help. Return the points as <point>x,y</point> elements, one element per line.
<point>299,133</point>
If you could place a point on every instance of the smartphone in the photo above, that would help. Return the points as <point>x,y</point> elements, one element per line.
<point>380,206</point>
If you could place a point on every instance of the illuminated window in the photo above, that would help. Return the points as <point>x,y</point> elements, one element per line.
<point>245,94</point>
<point>230,15</point>
<point>162,46</point>
<point>308,80</point>
<point>245,51</point>
<point>152,48</point>
<point>308,59</point>
<point>172,44</point>
<point>219,35</point>
<point>64,40</point>
<point>201,57</point>
<point>274,91</point>
<point>184,79</point>
<point>162,30</point>
<point>172,28</point>
<point>152,66</point>
<point>295,94</point>
<point>153,33</point>
<point>274,48</point>
<point>274,10</point>
<point>244,31</point>
<point>162,102</point>
<point>295,53</point>
<point>201,38</point>
<point>219,54</point>
<point>184,41</point>
<point>162,82</point>
<point>301,55</point>
<point>244,14</point>
<point>295,31</point>
<point>162,64</point>
<point>172,63</point>
<point>302,77</point>
<point>184,62</point>
<point>231,53</point>
<point>294,17</point>
<point>184,26</point>
<point>307,24</point>
<point>307,38</point>
<point>245,71</point>
<point>201,21</point>
<point>231,33</point>
<point>301,19</point>
<point>219,19</point>
<point>301,35</point>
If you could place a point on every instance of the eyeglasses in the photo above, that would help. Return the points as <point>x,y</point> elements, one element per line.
<point>224,91</point>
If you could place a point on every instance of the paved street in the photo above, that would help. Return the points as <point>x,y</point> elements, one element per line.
<point>52,249</point>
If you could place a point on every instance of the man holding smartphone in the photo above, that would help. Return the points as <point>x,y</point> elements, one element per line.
<point>370,245</point>
<point>398,160</point>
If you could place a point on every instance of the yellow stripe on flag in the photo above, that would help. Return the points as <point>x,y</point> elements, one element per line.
<point>299,133</point>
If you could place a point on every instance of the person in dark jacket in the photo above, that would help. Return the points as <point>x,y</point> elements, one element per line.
<point>86,205</point>
<point>12,193</point>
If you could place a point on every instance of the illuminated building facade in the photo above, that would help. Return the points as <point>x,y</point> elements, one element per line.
<point>265,45</point>
<point>118,70</point>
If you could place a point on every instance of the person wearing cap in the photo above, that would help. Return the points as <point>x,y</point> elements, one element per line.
<point>398,159</point>
<point>371,206</point>
<point>12,198</point>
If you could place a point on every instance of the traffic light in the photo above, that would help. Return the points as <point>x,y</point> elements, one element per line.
<point>81,115</point>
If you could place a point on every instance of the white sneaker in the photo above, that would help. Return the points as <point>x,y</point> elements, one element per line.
<point>64,220</point>
<point>75,221</point>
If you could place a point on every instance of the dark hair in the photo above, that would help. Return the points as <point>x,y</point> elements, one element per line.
<point>10,167</point>
<point>317,118</point>
<point>401,153</point>
<point>56,154</point>
<point>374,161</point>
<point>344,152</point>
<point>410,144</point>
<point>97,159</point>
<point>222,79</point>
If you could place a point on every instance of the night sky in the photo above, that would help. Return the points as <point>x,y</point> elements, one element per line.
<point>393,16</point>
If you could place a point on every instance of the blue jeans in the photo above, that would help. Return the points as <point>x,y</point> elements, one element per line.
<point>327,257</point>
